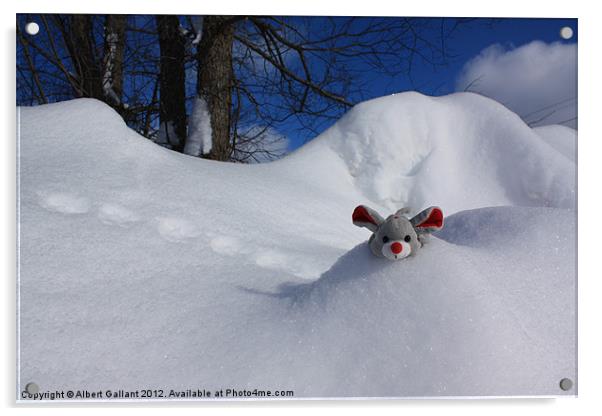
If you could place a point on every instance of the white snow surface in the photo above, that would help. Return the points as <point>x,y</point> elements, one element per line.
<point>199,140</point>
<point>561,138</point>
<point>143,268</point>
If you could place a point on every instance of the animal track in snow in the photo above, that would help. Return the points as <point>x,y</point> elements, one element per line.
<point>267,258</point>
<point>116,215</point>
<point>229,246</point>
<point>177,229</point>
<point>291,262</point>
<point>64,202</point>
<point>271,259</point>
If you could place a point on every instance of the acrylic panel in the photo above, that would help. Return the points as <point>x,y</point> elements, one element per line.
<point>290,207</point>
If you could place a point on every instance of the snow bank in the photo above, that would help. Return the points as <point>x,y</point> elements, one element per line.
<point>463,149</point>
<point>561,138</point>
<point>438,324</point>
<point>144,267</point>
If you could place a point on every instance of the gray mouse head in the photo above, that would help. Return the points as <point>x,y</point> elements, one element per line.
<point>398,236</point>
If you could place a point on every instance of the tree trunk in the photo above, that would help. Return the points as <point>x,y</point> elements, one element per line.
<point>214,81</point>
<point>172,106</point>
<point>114,49</point>
<point>83,56</point>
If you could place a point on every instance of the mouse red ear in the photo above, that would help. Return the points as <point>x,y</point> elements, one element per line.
<point>364,216</point>
<point>429,220</point>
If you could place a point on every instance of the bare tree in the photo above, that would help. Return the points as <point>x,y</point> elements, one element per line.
<point>172,82</point>
<point>260,71</point>
<point>215,76</point>
<point>36,88</point>
<point>114,50</point>
<point>254,74</point>
<point>80,42</point>
<point>91,56</point>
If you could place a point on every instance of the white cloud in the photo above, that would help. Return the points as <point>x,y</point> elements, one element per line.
<point>538,81</point>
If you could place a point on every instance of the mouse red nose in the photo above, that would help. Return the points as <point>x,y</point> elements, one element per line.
<point>396,248</point>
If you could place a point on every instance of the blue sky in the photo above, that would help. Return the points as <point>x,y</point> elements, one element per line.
<point>464,44</point>
<point>473,38</point>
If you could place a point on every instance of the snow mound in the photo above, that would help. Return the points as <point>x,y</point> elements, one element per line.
<point>561,138</point>
<point>463,149</point>
<point>140,266</point>
<point>436,324</point>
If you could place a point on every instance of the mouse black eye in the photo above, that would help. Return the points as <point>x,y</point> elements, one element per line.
<point>385,239</point>
<point>407,239</point>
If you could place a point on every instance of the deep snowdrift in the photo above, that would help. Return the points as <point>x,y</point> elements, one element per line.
<point>462,150</point>
<point>561,138</point>
<point>144,268</point>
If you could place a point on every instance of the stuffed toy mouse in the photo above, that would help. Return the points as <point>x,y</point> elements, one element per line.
<point>398,236</point>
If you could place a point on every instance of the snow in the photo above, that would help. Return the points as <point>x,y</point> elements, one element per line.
<point>199,134</point>
<point>116,214</point>
<point>145,268</point>
<point>64,202</point>
<point>195,33</point>
<point>197,22</point>
<point>399,154</point>
<point>561,138</point>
